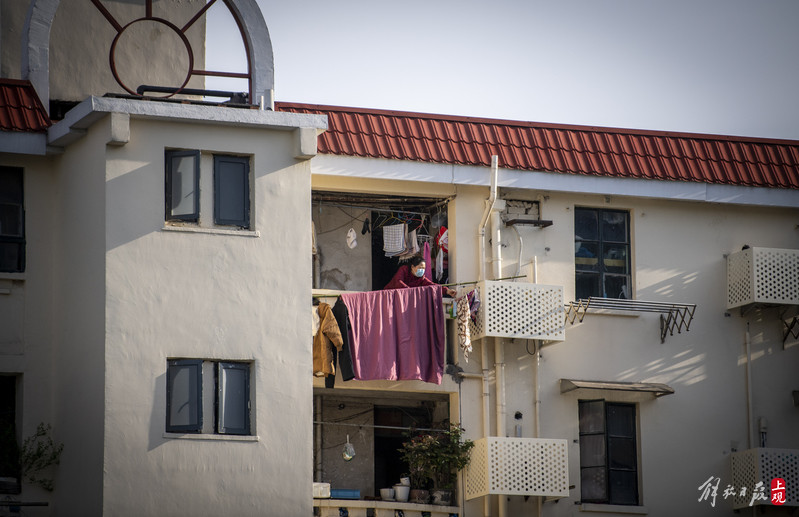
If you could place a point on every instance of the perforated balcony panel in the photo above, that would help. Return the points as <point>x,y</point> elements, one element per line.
<point>763,275</point>
<point>762,465</point>
<point>519,310</point>
<point>518,466</point>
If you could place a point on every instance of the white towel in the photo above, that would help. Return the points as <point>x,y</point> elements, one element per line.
<point>394,238</point>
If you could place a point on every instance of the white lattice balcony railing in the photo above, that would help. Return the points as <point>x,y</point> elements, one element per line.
<point>762,465</point>
<point>518,466</point>
<point>763,275</point>
<point>519,310</point>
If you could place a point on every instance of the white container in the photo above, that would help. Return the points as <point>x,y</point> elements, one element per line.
<point>387,494</point>
<point>321,490</point>
<point>401,492</point>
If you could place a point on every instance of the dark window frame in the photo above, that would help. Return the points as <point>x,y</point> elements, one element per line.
<point>609,464</point>
<point>172,365</point>
<point>169,156</point>
<point>12,194</point>
<point>601,271</point>
<point>222,426</point>
<point>219,424</point>
<point>219,161</point>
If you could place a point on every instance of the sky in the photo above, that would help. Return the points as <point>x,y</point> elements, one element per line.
<point>704,66</point>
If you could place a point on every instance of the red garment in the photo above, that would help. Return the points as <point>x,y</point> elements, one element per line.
<point>404,278</point>
<point>397,334</point>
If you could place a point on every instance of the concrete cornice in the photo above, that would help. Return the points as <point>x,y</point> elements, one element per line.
<point>82,116</point>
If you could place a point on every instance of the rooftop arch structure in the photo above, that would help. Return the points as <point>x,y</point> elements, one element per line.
<point>35,58</point>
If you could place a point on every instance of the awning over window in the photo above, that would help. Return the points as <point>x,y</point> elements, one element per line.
<point>658,390</point>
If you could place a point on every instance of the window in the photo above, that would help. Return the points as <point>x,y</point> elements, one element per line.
<point>12,221</point>
<point>602,253</point>
<point>608,453</point>
<point>185,182</point>
<point>209,397</point>
<point>232,190</point>
<point>183,186</point>
<point>9,448</point>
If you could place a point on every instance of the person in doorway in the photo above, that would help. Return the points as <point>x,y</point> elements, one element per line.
<point>412,275</point>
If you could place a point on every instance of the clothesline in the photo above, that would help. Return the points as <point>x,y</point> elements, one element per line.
<point>374,426</point>
<point>478,281</point>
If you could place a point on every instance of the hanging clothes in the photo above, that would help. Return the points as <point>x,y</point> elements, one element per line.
<point>397,334</point>
<point>464,334</point>
<point>428,272</point>
<point>394,238</point>
<point>327,337</point>
<point>345,356</point>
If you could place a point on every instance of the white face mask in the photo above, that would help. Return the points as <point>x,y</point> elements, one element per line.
<point>419,272</point>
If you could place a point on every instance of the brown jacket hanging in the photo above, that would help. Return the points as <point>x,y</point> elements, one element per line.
<point>327,336</point>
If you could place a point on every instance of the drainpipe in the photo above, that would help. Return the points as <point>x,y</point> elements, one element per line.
<point>481,260</point>
<point>499,345</point>
<point>486,411</point>
<point>748,389</point>
<point>481,230</point>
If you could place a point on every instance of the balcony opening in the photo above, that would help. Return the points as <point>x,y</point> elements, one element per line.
<point>375,424</point>
<point>350,245</point>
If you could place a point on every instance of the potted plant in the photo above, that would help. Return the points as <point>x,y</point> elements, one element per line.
<point>435,459</point>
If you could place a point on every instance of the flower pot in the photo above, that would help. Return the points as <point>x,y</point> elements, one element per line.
<point>401,492</point>
<point>442,497</point>
<point>418,495</point>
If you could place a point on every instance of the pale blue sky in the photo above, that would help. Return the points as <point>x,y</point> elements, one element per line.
<point>708,66</point>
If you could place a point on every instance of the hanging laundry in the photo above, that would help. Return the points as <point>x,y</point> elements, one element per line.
<point>345,356</point>
<point>394,238</point>
<point>464,334</point>
<point>397,334</point>
<point>428,272</point>
<point>327,337</point>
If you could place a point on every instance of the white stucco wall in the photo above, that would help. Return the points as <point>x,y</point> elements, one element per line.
<point>211,296</point>
<point>679,238</point>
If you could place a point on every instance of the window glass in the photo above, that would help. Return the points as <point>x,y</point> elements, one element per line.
<point>586,227</point>
<point>12,221</point>
<point>184,393</point>
<point>234,398</point>
<point>602,246</point>
<point>614,226</point>
<point>232,190</point>
<point>184,202</point>
<point>608,452</point>
<point>593,484</point>
<point>183,185</point>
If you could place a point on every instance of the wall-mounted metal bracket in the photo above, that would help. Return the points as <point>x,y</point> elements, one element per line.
<point>791,326</point>
<point>673,316</point>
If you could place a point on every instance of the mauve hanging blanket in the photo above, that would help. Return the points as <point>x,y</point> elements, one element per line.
<point>397,334</point>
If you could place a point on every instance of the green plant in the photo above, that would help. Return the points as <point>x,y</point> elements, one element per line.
<point>437,457</point>
<point>38,453</point>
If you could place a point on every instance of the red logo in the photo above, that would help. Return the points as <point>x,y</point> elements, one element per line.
<point>778,491</point>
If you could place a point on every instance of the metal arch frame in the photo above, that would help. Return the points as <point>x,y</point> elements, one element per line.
<point>35,52</point>
<point>673,316</point>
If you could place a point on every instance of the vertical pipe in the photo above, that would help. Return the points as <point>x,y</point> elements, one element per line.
<point>317,402</point>
<point>481,229</point>
<point>486,411</point>
<point>499,367</point>
<point>537,406</point>
<point>748,389</point>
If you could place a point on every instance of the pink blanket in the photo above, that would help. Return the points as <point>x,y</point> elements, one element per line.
<point>397,334</point>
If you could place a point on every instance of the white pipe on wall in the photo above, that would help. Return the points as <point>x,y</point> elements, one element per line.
<point>748,389</point>
<point>481,229</point>
<point>486,409</point>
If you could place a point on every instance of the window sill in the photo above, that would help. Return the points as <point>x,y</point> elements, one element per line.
<point>212,231</point>
<point>212,437</point>
<point>613,508</point>
<point>12,276</point>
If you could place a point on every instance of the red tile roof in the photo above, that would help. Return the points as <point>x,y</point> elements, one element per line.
<point>560,148</point>
<point>20,107</point>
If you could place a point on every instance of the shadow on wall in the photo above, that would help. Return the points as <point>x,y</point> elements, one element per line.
<point>158,416</point>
